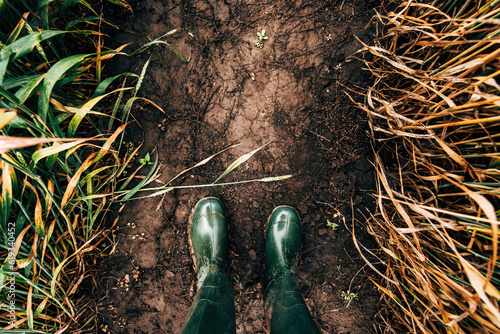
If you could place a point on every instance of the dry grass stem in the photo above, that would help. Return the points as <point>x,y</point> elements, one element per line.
<point>435,108</point>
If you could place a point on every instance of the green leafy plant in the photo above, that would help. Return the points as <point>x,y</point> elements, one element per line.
<point>57,183</point>
<point>146,160</point>
<point>331,225</point>
<point>261,37</point>
<point>349,295</point>
<point>337,215</point>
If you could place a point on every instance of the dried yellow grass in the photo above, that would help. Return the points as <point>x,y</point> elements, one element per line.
<point>433,112</point>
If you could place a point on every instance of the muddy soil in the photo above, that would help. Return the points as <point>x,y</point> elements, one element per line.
<point>291,94</point>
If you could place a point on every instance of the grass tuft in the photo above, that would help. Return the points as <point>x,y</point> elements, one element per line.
<point>60,163</point>
<point>434,113</point>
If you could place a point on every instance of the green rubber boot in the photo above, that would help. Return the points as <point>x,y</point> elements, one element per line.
<point>285,306</point>
<point>212,311</point>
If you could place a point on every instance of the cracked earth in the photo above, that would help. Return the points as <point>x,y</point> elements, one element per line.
<point>290,95</point>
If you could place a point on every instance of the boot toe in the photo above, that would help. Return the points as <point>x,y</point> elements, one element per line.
<point>284,214</point>
<point>283,239</point>
<point>208,232</point>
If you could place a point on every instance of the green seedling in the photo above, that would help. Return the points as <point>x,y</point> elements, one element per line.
<point>332,225</point>
<point>349,295</point>
<point>338,67</point>
<point>338,215</point>
<point>237,280</point>
<point>261,38</point>
<point>146,160</point>
<point>329,37</point>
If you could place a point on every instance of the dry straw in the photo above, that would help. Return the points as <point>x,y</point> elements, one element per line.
<point>434,113</point>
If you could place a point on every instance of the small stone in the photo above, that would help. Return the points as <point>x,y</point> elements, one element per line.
<point>253,255</point>
<point>169,274</point>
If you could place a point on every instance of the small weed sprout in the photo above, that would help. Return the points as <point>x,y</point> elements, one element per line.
<point>130,147</point>
<point>338,67</point>
<point>146,160</point>
<point>261,38</point>
<point>338,215</point>
<point>349,295</point>
<point>237,280</point>
<point>329,37</point>
<point>332,225</point>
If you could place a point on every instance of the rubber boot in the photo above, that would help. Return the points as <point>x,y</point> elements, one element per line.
<point>285,306</point>
<point>212,311</point>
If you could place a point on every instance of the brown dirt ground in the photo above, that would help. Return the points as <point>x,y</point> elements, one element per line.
<point>231,92</point>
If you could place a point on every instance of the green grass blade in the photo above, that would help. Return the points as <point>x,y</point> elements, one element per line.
<point>105,83</point>
<point>10,83</point>
<point>116,107</point>
<point>21,169</point>
<point>15,33</point>
<point>6,201</point>
<point>139,186</point>
<point>147,45</point>
<point>238,162</point>
<point>22,47</point>
<point>84,110</point>
<point>107,145</point>
<point>4,269</point>
<point>163,190</point>
<point>48,151</point>
<point>72,23</point>
<point>27,89</point>
<point>54,74</point>
<point>12,99</point>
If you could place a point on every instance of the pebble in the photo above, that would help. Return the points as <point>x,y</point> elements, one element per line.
<point>253,255</point>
